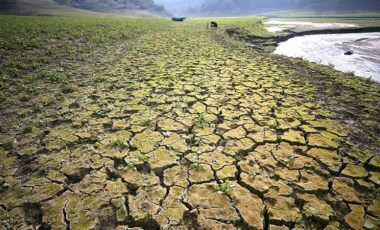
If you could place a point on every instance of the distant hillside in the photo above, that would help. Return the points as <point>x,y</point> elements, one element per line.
<point>241,7</point>
<point>180,7</point>
<point>141,8</point>
<point>117,6</point>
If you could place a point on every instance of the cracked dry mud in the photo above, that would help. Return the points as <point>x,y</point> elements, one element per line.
<point>187,133</point>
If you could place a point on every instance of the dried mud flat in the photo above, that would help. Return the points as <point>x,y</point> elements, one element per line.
<point>177,130</point>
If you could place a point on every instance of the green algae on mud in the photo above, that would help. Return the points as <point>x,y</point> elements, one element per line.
<point>235,139</point>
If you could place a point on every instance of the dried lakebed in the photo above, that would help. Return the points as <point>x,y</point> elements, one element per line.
<point>174,134</point>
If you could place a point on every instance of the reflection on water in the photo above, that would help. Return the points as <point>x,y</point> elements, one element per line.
<point>329,50</point>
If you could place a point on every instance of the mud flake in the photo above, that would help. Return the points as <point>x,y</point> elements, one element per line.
<point>201,173</point>
<point>316,208</point>
<point>44,192</point>
<point>260,134</point>
<point>286,174</point>
<point>53,213</point>
<point>235,147</point>
<point>172,209</point>
<point>354,171</point>
<point>116,188</point>
<point>318,140</point>
<point>249,205</point>
<point>237,133</point>
<point>138,179</point>
<point>329,158</point>
<point>162,157</point>
<point>355,219</point>
<point>175,142</point>
<point>226,172</point>
<point>312,182</point>
<point>204,131</point>
<point>282,210</point>
<point>171,125</point>
<point>121,209</point>
<point>146,202</point>
<point>375,177</point>
<point>375,163</point>
<point>146,141</point>
<point>176,176</point>
<point>120,125</point>
<point>294,137</point>
<point>257,182</point>
<point>93,182</point>
<point>344,190</point>
<point>211,204</point>
<point>216,158</point>
<point>375,207</point>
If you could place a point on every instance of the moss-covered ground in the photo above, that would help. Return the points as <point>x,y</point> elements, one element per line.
<point>119,123</point>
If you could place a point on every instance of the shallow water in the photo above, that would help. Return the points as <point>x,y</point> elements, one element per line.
<point>279,26</point>
<point>329,50</point>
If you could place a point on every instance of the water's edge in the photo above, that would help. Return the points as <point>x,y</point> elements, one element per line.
<point>269,44</point>
<point>293,34</point>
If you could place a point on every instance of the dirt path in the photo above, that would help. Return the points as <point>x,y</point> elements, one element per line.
<point>173,130</point>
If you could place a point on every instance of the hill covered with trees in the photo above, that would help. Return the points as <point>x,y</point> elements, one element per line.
<point>236,7</point>
<point>128,7</point>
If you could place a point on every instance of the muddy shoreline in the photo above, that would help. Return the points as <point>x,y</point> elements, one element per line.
<point>268,44</point>
<point>293,34</point>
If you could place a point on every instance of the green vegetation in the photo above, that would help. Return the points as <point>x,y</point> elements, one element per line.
<point>201,121</point>
<point>224,187</point>
<point>128,122</point>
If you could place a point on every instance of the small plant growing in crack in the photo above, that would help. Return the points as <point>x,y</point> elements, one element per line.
<point>219,87</point>
<point>252,174</point>
<point>117,142</point>
<point>201,121</point>
<point>291,161</point>
<point>104,111</point>
<point>196,163</point>
<point>225,187</point>
<point>121,166</point>
<point>28,128</point>
<point>4,186</point>
<point>147,122</point>
<point>132,166</point>
<point>144,158</point>
<point>223,100</point>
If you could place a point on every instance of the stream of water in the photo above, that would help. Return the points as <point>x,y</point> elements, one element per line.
<point>330,49</point>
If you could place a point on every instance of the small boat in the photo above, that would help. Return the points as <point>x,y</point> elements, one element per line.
<point>178,19</point>
<point>349,52</point>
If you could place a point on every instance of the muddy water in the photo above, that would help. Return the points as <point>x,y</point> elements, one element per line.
<point>329,50</point>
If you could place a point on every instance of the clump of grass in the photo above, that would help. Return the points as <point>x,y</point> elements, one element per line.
<point>100,79</point>
<point>219,87</point>
<point>291,161</point>
<point>14,72</point>
<point>117,142</point>
<point>53,76</point>
<point>28,128</point>
<point>225,187</point>
<point>68,89</point>
<point>147,122</point>
<point>196,163</point>
<point>104,111</point>
<point>144,158</point>
<point>4,186</point>
<point>201,121</point>
<point>2,98</point>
